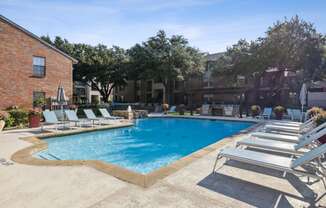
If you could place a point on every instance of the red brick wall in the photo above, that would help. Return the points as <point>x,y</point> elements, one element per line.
<point>16,68</point>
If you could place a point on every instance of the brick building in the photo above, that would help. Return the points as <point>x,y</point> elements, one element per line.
<point>30,68</point>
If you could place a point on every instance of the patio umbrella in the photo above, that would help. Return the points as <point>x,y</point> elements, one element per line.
<point>61,98</point>
<point>303,96</point>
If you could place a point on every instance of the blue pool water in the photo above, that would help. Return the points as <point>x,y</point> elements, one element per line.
<point>150,144</point>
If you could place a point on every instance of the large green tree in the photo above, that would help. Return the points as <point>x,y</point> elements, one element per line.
<point>103,68</point>
<point>290,44</point>
<point>166,59</point>
<point>98,66</point>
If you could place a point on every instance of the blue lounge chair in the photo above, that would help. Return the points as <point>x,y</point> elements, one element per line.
<point>51,118</point>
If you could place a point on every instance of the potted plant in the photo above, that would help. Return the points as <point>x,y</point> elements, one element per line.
<point>255,110</point>
<point>182,109</point>
<point>34,118</point>
<point>279,111</point>
<point>314,111</point>
<point>165,107</point>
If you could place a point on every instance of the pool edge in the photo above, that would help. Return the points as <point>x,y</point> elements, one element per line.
<point>25,156</point>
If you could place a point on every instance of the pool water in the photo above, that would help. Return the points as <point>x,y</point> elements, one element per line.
<point>150,144</point>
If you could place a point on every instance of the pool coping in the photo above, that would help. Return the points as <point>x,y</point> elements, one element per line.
<point>25,156</point>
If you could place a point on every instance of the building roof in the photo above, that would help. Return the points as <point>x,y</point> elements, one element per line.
<point>6,20</point>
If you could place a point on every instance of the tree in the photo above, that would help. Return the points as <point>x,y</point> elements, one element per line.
<point>292,45</point>
<point>98,66</point>
<point>166,60</point>
<point>102,68</point>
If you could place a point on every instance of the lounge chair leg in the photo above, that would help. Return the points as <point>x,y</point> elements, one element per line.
<point>217,158</point>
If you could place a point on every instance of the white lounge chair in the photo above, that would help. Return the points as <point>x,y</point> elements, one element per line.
<point>293,123</point>
<point>296,115</point>
<point>51,118</point>
<point>267,113</point>
<point>288,138</point>
<point>279,146</point>
<point>281,163</point>
<point>172,109</point>
<point>205,109</point>
<point>228,110</point>
<point>105,113</point>
<point>297,129</point>
<point>91,116</point>
<point>72,117</point>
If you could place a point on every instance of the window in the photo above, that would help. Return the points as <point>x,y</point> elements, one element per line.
<point>38,66</point>
<point>37,96</point>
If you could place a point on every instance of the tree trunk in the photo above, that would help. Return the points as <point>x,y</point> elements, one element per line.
<point>105,98</point>
<point>135,91</point>
<point>165,97</point>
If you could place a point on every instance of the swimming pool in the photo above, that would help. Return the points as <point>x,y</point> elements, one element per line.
<point>148,145</point>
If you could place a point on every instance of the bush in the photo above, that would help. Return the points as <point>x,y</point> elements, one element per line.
<point>255,110</point>
<point>40,102</point>
<point>19,117</point>
<point>314,111</point>
<point>9,120</point>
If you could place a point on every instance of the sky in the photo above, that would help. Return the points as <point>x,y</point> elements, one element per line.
<point>210,25</point>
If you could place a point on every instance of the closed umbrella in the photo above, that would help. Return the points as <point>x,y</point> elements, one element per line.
<point>303,96</point>
<point>61,98</point>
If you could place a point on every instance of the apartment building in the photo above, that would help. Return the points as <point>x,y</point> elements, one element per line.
<point>30,68</point>
<point>273,87</point>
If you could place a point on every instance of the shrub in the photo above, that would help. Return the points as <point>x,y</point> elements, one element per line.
<point>255,110</point>
<point>40,102</point>
<point>314,111</point>
<point>9,120</point>
<point>19,116</point>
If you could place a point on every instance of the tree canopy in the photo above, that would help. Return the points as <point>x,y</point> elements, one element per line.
<point>290,44</point>
<point>166,59</point>
<point>98,66</point>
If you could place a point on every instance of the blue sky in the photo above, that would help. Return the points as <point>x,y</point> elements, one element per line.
<point>210,25</point>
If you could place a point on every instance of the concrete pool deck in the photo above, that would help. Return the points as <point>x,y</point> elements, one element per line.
<point>235,185</point>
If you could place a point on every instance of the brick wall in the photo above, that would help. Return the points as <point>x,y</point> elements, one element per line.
<point>16,68</point>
